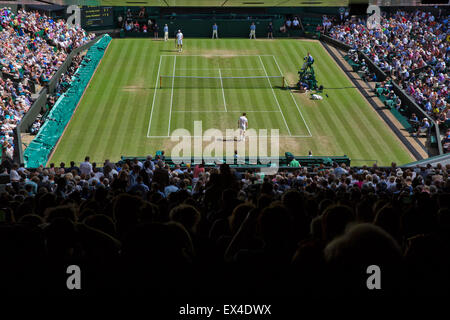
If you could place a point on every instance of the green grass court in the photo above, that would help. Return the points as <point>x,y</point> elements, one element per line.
<point>217,89</point>
<point>134,102</point>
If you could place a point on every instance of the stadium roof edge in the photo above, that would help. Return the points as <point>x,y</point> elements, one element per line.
<point>443,159</point>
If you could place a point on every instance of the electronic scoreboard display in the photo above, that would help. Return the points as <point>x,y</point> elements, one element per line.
<point>92,17</point>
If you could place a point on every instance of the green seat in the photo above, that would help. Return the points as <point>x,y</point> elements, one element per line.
<point>361,74</point>
<point>389,103</point>
<point>402,119</point>
<point>381,91</point>
<point>433,140</point>
<point>355,67</point>
<point>383,98</point>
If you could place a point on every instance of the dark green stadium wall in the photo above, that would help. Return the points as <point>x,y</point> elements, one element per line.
<point>203,28</point>
<point>303,10</point>
<point>233,22</point>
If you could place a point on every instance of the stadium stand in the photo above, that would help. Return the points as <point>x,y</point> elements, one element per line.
<point>32,48</point>
<point>412,49</point>
<point>150,226</point>
<point>40,148</point>
<point>222,231</point>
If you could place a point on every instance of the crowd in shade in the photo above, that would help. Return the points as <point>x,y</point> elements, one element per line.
<point>32,48</point>
<point>138,21</point>
<point>142,227</point>
<point>412,48</point>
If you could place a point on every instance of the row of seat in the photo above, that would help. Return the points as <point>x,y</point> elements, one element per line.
<point>383,94</point>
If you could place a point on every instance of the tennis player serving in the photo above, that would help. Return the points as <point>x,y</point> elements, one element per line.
<point>243,125</point>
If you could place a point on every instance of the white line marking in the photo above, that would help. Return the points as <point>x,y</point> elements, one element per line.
<point>223,91</point>
<point>168,136</point>
<point>154,97</point>
<point>246,108</point>
<point>242,69</point>
<point>215,69</point>
<point>223,111</point>
<point>281,136</point>
<point>292,96</point>
<point>217,55</point>
<point>273,92</point>
<point>203,77</point>
<point>240,109</point>
<point>171,96</point>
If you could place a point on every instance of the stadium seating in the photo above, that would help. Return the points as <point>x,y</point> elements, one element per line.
<point>22,70</point>
<point>145,225</point>
<point>283,162</point>
<point>422,74</point>
<point>136,216</point>
<point>40,148</point>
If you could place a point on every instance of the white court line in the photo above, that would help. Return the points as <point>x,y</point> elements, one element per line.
<point>281,136</point>
<point>168,136</point>
<point>241,109</point>
<point>217,55</point>
<point>273,92</point>
<point>203,77</point>
<point>242,69</point>
<point>223,91</point>
<point>215,69</point>
<point>223,111</point>
<point>154,97</point>
<point>171,97</point>
<point>292,96</point>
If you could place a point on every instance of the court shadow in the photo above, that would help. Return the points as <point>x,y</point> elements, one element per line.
<point>341,88</point>
<point>174,50</point>
<point>295,90</point>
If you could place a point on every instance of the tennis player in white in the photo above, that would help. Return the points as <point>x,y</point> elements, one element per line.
<point>243,125</point>
<point>180,41</point>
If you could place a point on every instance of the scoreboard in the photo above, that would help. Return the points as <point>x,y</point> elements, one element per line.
<point>92,17</point>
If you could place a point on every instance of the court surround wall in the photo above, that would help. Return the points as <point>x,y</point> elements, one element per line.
<point>43,144</point>
<point>41,101</point>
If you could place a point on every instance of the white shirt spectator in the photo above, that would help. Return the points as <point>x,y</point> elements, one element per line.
<point>14,176</point>
<point>98,175</point>
<point>85,168</point>
<point>112,173</point>
<point>10,152</point>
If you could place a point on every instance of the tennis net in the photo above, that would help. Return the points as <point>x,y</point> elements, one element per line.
<point>221,82</point>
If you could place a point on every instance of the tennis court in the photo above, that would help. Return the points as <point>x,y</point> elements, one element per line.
<point>144,90</point>
<point>227,86</point>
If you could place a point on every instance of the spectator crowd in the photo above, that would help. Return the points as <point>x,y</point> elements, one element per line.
<point>412,48</point>
<point>138,21</point>
<point>138,227</point>
<point>144,227</point>
<point>32,48</point>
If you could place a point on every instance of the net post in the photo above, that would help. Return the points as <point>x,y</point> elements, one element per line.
<point>160,82</point>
